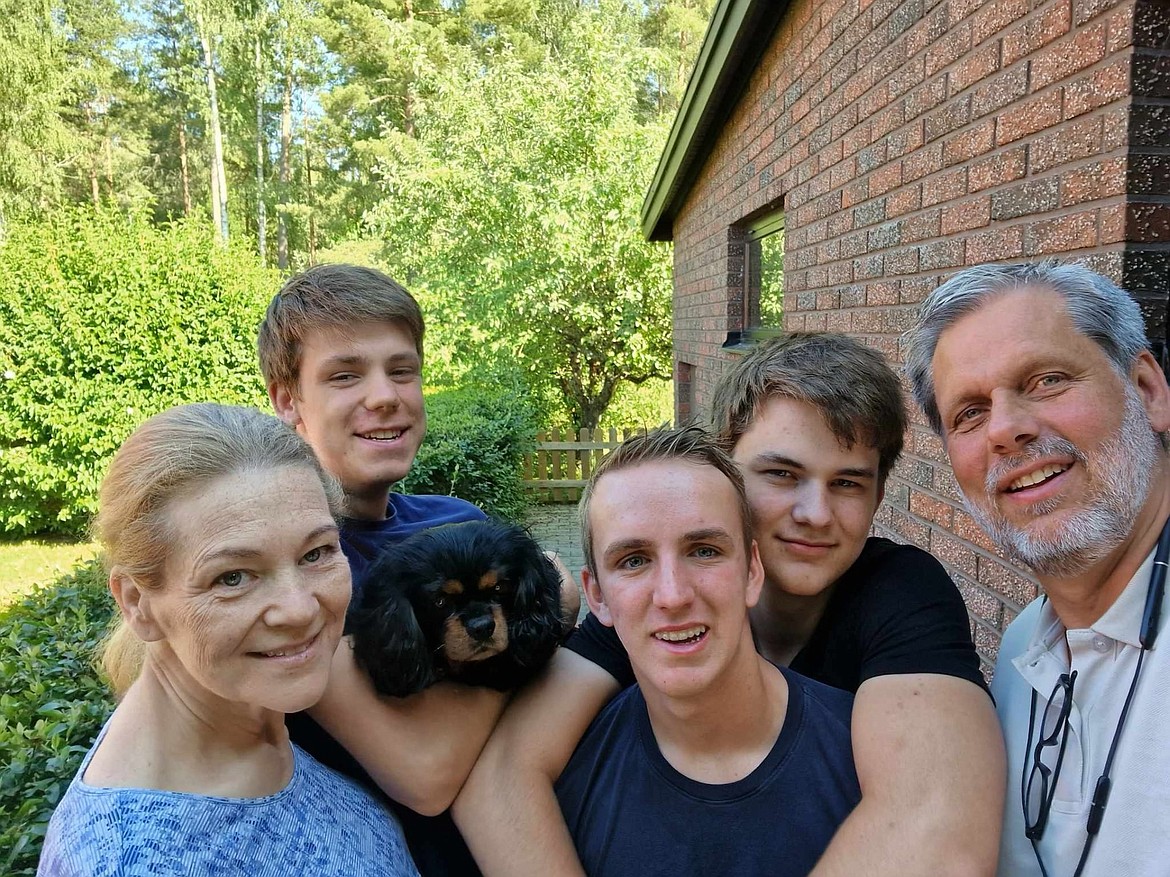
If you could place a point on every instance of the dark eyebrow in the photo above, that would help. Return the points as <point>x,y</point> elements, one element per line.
<point>857,473</point>
<point>707,534</point>
<point>341,359</point>
<point>774,459</point>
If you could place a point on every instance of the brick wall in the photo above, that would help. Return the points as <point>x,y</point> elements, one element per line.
<point>905,140</point>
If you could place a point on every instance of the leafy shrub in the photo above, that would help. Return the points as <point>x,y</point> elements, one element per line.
<point>104,321</point>
<point>53,705</point>
<point>476,439</point>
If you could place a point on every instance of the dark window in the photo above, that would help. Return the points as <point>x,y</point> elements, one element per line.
<point>759,306</point>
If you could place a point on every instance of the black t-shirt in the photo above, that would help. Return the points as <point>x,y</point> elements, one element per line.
<point>631,813</point>
<point>894,611</point>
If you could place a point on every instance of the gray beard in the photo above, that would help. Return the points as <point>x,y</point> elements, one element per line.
<point>1119,475</point>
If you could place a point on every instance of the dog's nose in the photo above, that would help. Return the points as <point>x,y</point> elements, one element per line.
<point>481,627</point>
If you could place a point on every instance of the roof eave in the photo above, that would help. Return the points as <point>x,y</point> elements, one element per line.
<point>739,32</point>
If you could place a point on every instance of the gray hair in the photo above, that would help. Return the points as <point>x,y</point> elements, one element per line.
<point>1099,309</point>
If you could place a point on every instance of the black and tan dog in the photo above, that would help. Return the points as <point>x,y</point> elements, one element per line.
<point>476,602</point>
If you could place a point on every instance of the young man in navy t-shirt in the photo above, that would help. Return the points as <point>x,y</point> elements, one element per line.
<point>717,761</point>
<point>341,349</point>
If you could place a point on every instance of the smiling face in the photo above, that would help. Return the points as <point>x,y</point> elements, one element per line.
<point>254,591</point>
<point>359,404</point>
<point>673,576</point>
<point>812,499</point>
<point>1052,448</point>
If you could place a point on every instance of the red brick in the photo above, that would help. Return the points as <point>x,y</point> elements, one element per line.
<point>1032,33</point>
<point>944,187</point>
<point>995,17</point>
<point>1111,223</point>
<point>1000,91</point>
<point>1047,236</point>
<point>999,576</point>
<point>995,170</point>
<point>930,509</point>
<point>995,245</point>
<point>966,216</point>
<point>1101,179</point>
<point>906,199</point>
<point>954,553</point>
<point>966,528</point>
<point>1026,118</point>
<point>975,67</point>
<point>884,293</point>
<point>924,225</point>
<point>1077,139</point>
<point>949,49</point>
<point>885,178</point>
<point>980,602</point>
<point>969,144</point>
<point>1096,89</point>
<point>1060,60</point>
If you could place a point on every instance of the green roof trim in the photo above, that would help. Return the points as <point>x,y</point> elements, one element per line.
<point>739,32</point>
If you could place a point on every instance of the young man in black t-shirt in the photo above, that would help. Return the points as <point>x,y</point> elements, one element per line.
<point>815,423</point>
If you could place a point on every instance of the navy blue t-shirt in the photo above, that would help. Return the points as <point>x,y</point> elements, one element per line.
<point>630,813</point>
<point>435,843</point>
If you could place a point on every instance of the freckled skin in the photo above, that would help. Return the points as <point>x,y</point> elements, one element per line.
<point>284,584</point>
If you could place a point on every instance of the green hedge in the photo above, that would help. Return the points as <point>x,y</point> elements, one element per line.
<point>53,705</point>
<point>476,439</point>
<point>104,321</point>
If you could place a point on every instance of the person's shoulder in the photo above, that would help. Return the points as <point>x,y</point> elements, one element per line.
<point>888,570</point>
<point>818,696</point>
<point>431,510</point>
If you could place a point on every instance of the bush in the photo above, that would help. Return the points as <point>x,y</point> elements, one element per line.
<point>53,706</point>
<point>104,321</point>
<point>476,440</point>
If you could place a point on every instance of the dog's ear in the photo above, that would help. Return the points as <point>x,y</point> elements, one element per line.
<point>535,624</point>
<point>389,645</point>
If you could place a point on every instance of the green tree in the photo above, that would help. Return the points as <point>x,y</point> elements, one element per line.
<point>514,212</point>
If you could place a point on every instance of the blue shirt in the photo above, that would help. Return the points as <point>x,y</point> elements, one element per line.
<point>631,813</point>
<point>362,541</point>
<point>321,824</point>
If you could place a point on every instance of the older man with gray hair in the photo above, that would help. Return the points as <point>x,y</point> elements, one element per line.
<point>1053,411</point>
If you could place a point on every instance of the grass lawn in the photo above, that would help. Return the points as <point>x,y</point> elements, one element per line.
<point>34,561</point>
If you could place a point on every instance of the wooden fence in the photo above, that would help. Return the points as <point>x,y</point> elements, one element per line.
<point>564,461</point>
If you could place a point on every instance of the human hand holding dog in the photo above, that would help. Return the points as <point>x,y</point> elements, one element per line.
<point>418,749</point>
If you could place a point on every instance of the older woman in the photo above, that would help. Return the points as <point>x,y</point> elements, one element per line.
<point>223,558</point>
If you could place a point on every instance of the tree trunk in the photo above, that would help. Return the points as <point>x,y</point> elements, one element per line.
<point>94,190</point>
<point>108,152</point>
<point>285,170</point>
<point>219,179</point>
<point>408,96</point>
<point>312,208</point>
<point>184,173</point>
<point>261,217</point>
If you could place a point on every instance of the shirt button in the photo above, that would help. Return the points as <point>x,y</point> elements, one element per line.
<point>1100,644</point>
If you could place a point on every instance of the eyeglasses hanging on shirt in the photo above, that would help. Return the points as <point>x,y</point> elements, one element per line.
<point>1038,782</point>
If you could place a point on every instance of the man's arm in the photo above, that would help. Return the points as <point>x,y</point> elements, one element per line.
<point>418,749</point>
<point>930,760</point>
<point>507,811</point>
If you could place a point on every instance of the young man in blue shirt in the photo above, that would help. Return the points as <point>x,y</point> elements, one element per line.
<point>341,350</point>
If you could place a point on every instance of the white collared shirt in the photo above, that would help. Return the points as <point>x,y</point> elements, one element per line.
<point>1036,649</point>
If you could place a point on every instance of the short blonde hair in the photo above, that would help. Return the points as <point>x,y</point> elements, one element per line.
<point>163,458</point>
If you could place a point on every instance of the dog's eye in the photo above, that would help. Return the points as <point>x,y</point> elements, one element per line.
<point>498,589</point>
<point>441,601</point>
